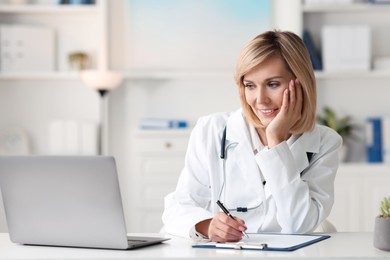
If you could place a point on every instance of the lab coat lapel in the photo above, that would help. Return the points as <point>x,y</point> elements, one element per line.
<point>237,137</point>
<point>241,152</point>
<point>308,142</point>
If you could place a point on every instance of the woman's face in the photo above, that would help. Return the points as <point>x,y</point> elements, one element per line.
<point>264,87</point>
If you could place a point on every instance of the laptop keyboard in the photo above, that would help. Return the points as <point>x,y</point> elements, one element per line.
<point>135,241</point>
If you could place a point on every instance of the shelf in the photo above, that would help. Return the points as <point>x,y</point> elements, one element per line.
<point>141,133</point>
<point>40,76</point>
<point>179,74</point>
<point>168,75</point>
<point>364,165</point>
<point>48,9</point>
<point>338,8</point>
<point>364,168</point>
<point>352,75</point>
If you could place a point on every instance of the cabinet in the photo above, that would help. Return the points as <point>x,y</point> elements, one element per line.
<point>159,159</point>
<point>376,16</point>
<point>31,100</point>
<point>359,189</point>
<point>75,27</point>
<point>357,94</point>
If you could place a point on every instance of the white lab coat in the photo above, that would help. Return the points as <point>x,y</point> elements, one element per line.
<point>287,203</point>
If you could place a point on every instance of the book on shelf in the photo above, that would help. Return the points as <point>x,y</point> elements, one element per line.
<point>328,2</point>
<point>378,139</point>
<point>346,47</point>
<point>379,1</point>
<point>386,139</point>
<point>314,56</point>
<point>159,123</point>
<point>70,137</point>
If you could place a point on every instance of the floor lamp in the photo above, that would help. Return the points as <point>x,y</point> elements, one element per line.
<point>102,81</point>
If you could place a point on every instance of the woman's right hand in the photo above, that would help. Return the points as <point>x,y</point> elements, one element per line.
<point>222,228</point>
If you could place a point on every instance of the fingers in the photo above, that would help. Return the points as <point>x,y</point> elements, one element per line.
<point>225,229</point>
<point>298,96</point>
<point>290,113</point>
<point>285,101</point>
<point>294,99</point>
<point>292,88</point>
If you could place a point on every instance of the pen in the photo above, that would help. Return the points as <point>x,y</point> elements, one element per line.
<point>228,213</point>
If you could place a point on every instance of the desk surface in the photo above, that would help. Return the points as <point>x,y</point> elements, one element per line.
<point>339,246</point>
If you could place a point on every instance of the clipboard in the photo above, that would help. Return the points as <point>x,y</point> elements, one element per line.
<point>267,242</point>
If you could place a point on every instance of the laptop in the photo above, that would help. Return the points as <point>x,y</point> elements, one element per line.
<point>71,201</point>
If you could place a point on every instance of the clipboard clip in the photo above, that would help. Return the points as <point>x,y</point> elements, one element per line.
<point>243,245</point>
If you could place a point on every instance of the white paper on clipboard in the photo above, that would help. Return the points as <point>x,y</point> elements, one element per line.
<point>269,242</point>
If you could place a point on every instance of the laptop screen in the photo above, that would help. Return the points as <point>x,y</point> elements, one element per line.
<point>63,200</point>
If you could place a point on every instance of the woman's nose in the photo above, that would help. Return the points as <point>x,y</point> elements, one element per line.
<point>262,97</point>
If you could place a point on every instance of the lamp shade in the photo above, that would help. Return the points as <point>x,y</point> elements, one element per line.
<point>101,79</point>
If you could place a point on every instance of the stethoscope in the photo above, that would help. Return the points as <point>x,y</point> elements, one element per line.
<point>223,156</point>
<point>263,202</point>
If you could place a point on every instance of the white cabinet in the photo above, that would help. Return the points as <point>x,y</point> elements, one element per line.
<point>32,100</point>
<point>76,28</point>
<point>359,189</point>
<point>376,16</point>
<point>359,94</point>
<point>159,159</point>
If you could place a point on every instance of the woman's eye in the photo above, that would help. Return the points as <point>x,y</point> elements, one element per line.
<point>250,85</point>
<point>273,84</point>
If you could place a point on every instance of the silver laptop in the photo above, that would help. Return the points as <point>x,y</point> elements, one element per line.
<point>70,201</point>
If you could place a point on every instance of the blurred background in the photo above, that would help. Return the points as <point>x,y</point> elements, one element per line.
<point>129,78</point>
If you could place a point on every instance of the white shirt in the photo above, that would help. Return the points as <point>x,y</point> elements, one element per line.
<point>297,197</point>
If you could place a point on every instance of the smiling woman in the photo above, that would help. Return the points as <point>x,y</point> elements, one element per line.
<point>271,146</point>
<point>265,87</point>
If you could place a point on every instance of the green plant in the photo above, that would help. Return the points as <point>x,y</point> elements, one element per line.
<point>342,126</point>
<point>385,207</point>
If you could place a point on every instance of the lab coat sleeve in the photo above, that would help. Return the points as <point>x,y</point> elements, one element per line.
<point>302,202</point>
<point>189,203</point>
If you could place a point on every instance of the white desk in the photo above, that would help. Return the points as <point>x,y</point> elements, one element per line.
<point>339,246</point>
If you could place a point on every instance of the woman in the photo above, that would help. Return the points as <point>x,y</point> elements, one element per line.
<point>278,167</point>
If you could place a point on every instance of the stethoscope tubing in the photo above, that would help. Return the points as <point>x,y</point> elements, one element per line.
<point>223,156</point>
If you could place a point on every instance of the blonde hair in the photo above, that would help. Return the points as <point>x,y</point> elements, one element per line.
<point>293,52</point>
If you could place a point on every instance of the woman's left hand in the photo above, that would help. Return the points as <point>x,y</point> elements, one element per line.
<point>290,112</point>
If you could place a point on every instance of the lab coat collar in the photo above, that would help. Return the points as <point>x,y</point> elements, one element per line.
<point>240,148</point>
<point>235,126</point>
<point>308,142</point>
<point>237,132</point>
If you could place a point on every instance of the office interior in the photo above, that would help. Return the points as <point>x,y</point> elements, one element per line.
<point>177,60</point>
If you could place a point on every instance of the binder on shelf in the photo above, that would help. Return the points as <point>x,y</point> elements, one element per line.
<point>267,242</point>
<point>374,139</point>
<point>386,139</point>
<point>69,137</point>
<point>346,48</point>
<point>158,123</point>
<point>379,1</point>
<point>314,57</point>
